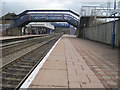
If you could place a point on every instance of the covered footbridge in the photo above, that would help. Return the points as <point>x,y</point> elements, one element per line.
<point>46,16</point>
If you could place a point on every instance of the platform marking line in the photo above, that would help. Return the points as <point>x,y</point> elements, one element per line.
<point>35,71</point>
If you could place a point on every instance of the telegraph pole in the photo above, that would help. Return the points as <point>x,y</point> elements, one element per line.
<point>113,31</point>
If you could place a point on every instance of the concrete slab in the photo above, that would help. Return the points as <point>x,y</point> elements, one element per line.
<point>78,78</point>
<point>74,85</point>
<point>93,79</point>
<point>60,58</point>
<point>52,78</point>
<point>92,85</point>
<point>59,65</point>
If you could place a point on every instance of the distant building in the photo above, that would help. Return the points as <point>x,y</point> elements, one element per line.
<point>8,16</point>
<point>6,22</point>
<point>38,28</point>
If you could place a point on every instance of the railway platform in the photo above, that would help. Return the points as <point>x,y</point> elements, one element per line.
<point>76,63</point>
<point>17,37</point>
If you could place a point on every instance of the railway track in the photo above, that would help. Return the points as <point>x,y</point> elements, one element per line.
<point>9,49</point>
<point>14,74</point>
<point>14,51</point>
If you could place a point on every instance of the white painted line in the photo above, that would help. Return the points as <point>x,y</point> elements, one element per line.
<point>34,73</point>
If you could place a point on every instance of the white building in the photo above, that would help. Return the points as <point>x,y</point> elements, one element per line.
<point>38,28</point>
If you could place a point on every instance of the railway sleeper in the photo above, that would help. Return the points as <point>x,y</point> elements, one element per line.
<point>11,77</point>
<point>6,86</point>
<point>14,75</point>
<point>6,74</point>
<point>23,66</point>
<point>27,64</point>
<point>29,60</point>
<point>37,58</point>
<point>34,56</point>
<point>13,70</point>
<point>11,82</point>
<point>20,68</point>
<point>34,59</point>
<point>8,79</point>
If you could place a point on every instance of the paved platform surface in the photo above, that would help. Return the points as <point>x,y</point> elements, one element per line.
<point>78,63</point>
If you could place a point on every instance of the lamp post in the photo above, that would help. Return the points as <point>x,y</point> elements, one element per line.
<point>113,30</point>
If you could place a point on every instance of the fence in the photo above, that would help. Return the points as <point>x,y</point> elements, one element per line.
<point>103,33</point>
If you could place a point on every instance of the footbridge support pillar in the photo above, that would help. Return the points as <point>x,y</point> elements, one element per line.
<point>83,23</point>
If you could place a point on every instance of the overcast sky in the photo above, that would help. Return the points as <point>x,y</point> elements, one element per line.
<point>18,6</point>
